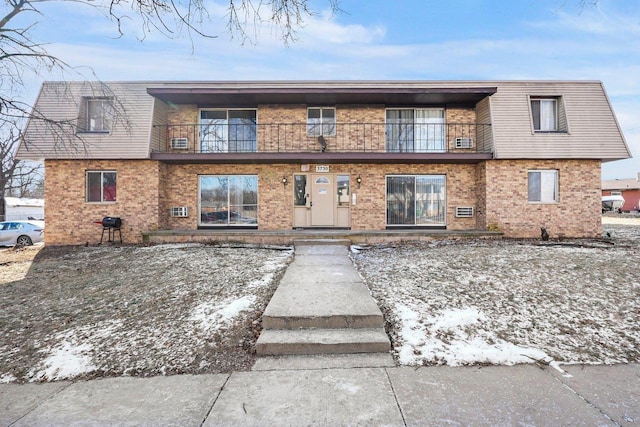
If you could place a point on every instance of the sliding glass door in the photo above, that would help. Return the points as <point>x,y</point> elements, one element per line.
<point>228,200</point>
<point>415,131</point>
<point>223,131</point>
<point>416,200</point>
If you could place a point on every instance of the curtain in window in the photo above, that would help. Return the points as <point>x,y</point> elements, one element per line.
<point>430,200</point>
<point>399,130</point>
<point>544,114</point>
<point>429,130</point>
<point>416,200</point>
<point>401,200</point>
<point>548,114</point>
<point>109,186</point>
<point>99,113</point>
<point>543,186</point>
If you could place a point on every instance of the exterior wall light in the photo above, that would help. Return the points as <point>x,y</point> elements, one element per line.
<point>284,181</point>
<point>359,180</point>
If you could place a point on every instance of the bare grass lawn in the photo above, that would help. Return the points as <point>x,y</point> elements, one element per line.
<point>86,312</point>
<point>110,311</point>
<point>509,301</point>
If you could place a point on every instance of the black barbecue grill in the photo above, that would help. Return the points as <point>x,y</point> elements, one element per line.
<point>111,224</point>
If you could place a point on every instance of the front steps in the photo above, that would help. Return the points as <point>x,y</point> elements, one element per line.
<point>322,307</point>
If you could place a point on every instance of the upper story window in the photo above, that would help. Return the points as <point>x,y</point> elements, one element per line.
<point>101,186</point>
<point>96,115</point>
<point>543,186</point>
<point>548,115</point>
<point>228,131</point>
<point>545,115</point>
<point>321,122</point>
<point>415,130</point>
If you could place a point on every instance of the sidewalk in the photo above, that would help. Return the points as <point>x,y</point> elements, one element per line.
<point>516,395</point>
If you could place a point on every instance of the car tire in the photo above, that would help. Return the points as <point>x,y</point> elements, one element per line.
<point>23,241</point>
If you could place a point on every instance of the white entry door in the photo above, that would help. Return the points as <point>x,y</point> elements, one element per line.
<point>322,200</point>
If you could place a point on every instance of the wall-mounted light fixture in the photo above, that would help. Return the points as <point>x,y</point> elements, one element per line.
<point>284,181</point>
<point>359,180</point>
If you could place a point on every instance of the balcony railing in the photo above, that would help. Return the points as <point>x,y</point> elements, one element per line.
<point>332,138</point>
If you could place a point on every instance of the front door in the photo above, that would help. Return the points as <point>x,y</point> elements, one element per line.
<point>322,200</point>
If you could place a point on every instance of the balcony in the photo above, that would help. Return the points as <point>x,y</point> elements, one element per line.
<point>243,142</point>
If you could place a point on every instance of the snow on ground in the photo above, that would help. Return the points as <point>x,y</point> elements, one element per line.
<point>139,311</point>
<point>191,308</point>
<point>507,302</point>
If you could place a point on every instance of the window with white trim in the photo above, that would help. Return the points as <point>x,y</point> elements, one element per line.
<point>101,186</point>
<point>548,114</point>
<point>321,121</point>
<point>99,113</point>
<point>543,186</point>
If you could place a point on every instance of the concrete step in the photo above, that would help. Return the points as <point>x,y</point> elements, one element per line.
<point>341,321</point>
<point>316,242</point>
<point>322,305</point>
<point>322,341</point>
<point>323,361</point>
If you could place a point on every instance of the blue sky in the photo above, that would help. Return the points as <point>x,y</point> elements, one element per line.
<point>380,40</point>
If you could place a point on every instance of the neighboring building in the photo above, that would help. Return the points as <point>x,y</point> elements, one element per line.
<point>629,189</point>
<point>359,155</point>
<point>22,208</point>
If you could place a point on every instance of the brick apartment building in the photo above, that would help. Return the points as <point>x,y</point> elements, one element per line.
<point>209,157</point>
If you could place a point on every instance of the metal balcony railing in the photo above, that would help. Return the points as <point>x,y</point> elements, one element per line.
<point>327,137</point>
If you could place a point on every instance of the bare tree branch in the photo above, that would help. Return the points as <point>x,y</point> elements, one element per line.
<point>21,54</point>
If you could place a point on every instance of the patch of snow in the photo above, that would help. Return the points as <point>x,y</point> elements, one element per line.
<point>67,360</point>
<point>457,318</point>
<point>448,338</point>
<point>555,365</point>
<point>7,378</point>
<point>213,316</point>
<point>169,246</point>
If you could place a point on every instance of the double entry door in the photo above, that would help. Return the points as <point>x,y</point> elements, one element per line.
<point>321,200</point>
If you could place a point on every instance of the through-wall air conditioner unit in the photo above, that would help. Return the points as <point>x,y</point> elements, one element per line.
<point>464,211</point>
<point>464,142</point>
<point>179,143</point>
<point>180,211</point>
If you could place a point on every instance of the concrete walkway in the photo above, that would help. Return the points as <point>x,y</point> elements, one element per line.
<point>322,306</point>
<point>517,395</point>
<point>328,390</point>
